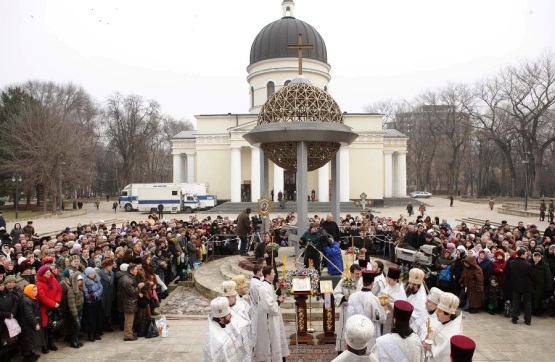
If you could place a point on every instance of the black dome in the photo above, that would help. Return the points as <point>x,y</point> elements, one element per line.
<point>272,41</point>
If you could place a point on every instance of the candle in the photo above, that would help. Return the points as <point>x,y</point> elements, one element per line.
<point>310,262</point>
<point>283,260</point>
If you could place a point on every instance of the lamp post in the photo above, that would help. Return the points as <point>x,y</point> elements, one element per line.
<point>526,162</point>
<point>16,178</point>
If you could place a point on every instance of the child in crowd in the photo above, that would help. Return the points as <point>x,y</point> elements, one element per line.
<point>494,295</point>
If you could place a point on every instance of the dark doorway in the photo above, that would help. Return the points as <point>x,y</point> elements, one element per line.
<point>246,192</point>
<point>290,181</point>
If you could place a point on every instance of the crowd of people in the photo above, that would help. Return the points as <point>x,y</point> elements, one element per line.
<point>82,282</point>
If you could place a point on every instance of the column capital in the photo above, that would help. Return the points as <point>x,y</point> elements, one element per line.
<point>401,152</point>
<point>388,152</point>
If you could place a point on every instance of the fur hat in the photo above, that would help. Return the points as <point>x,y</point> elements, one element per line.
<point>462,348</point>
<point>240,280</point>
<point>448,303</point>
<point>219,307</point>
<point>228,288</point>
<point>358,331</point>
<point>435,295</point>
<point>416,276</point>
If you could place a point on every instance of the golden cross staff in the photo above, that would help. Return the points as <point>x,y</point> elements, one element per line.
<point>300,47</point>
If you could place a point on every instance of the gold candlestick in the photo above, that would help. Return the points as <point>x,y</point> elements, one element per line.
<point>283,261</point>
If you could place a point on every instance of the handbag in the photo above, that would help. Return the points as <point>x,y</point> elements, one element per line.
<point>143,302</point>
<point>143,327</point>
<point>152,331</point>
<point>445,274</point>
<point>13,327</point>
<point>55,318</point>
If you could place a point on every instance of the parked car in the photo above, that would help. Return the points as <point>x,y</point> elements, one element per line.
<point>421,194</point>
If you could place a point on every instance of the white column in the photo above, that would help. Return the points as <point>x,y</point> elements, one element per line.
<point>388,173</point>
<point>344,171</point>
<point>323,183</point>
<point>255,173</point>
<point>177,171</point>
<point>235,174</point>
<point>278,180</point>
<point>401,174</point>
<point>190,167</point>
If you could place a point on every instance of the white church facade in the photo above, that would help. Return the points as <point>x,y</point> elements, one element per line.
<point>217,153</point>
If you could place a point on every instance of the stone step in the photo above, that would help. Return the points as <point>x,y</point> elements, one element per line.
<point>208,277</point>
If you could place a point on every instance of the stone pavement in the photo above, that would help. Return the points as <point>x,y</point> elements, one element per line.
<point>497,339</point>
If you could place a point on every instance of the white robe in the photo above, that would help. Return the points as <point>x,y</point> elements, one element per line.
<point>395,293</point>
<point>379,285</point>
<point>253,301</point>
<point>367,304</point>
<point>338,293</point>
<point>221,344</point>
<point>419,314</point>
<point>434,323</point>
<point>441,337</point>
<point>392,348</point>
<point>271,343</point>
<point>241,321</point>
<point>350,357</point>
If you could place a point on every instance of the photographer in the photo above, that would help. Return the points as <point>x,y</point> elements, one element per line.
<point>314,240</point>
<point>243,229</point>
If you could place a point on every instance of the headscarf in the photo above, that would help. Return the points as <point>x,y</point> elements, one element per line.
<point>28,291</point>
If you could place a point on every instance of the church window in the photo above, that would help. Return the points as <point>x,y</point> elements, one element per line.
<point>287,82</point>
<point>252,96</point>
<point>270,88</point>
<point>325,88</point>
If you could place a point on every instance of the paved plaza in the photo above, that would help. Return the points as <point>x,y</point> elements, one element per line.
<point>497,339</point>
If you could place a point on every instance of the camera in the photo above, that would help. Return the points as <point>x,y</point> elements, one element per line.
<point>256,222</point>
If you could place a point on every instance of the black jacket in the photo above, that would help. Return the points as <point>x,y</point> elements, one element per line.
<point>519,274</point>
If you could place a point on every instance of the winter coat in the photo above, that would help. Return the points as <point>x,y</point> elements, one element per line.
<point>333,253</point>
<point>29,317</point>
<point>243,224</point>
<point>21,281</point>
<point>8,307</point>
<point>49,292</point>
<point>541,278</point>
<point>93,289</point>
<point>108,290</point>
<point>128,293</point>
<point>519,275</point>
<point>494,294</point>
<point>487,269</point>
<point>499,268</point>
<point>473,278</point>
<point>75,301</point>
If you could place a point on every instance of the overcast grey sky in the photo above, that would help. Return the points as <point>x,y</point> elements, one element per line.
<point>191,56</point>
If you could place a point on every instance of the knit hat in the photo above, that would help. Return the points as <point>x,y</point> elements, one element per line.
<point>462,348</point>
<point>28,291</point>
<point>240,280</point>
<point>228,288</point>
<point>416,276</point>
<point>358,331</point>
<point>65,273</point>
<point>43,269</point>
<point>123,267</point>
<point>89,271</point>
<point>47,260</point>
<point>219,307</point>
<point>448,303</point>
<point>9,278</point>
<point>435,295</point>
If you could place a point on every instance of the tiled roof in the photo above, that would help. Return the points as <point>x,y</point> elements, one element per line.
<point>186,135</point>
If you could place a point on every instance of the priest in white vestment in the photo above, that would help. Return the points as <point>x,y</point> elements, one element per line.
<point>271,343</point>
<point>253,297</point>
<point>220,343</point>
<point>242,309</point>
<point>416,295</point>
<point>341,296</point>
<point>367,304</point>
<point>358,330</point>
<point>402,344</point>
<point>240,321</point>
<point>432,300</point>
<point>450,324</point>
<point>396,292</point>
<point>379,282</point>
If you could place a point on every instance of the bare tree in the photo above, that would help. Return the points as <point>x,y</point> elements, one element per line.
<point>389,108</point>
<point>131,123</point>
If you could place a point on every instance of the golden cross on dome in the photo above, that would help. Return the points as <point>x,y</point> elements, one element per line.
<point>300,48</point>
